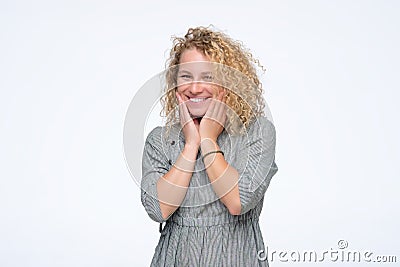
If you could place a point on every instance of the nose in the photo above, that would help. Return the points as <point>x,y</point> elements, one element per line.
<point>196,88</point>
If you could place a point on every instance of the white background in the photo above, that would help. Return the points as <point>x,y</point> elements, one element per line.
<point>69,70</point>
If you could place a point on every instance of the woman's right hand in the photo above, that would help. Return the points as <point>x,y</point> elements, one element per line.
<point>190,127</point>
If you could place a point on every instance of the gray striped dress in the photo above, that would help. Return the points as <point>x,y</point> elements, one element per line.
<point>202,232</point>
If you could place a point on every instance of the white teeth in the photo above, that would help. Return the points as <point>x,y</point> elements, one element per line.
<point>196,100</point>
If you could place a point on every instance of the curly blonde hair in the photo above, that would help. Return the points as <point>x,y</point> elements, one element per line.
<point>245,94</point>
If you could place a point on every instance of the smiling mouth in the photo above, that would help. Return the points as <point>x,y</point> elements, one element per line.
<point>197,100</point>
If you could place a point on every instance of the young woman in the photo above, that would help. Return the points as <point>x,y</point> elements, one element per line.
<point>206,171</point>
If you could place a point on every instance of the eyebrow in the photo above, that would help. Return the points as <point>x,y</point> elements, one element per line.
<point>186,71</point>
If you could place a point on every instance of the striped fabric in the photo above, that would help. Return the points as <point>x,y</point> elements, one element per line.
<point>202,232</point>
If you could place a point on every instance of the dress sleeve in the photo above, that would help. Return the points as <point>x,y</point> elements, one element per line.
<point>154,165</point>
<point>256,164</point>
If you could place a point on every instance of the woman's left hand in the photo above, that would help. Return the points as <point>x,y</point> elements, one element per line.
<point>212,124</point>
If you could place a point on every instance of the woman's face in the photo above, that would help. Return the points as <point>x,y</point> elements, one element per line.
<point>194,82</point>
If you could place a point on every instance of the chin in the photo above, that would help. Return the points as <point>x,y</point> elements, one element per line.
<point>196,113</point>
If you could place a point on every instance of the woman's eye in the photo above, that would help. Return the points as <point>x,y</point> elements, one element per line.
<point>185,76</point>
<point>208,78</point>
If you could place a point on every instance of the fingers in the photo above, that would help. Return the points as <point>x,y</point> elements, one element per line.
<point>222,110</point>
<point>217,109</point>
<point>184,114</point>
